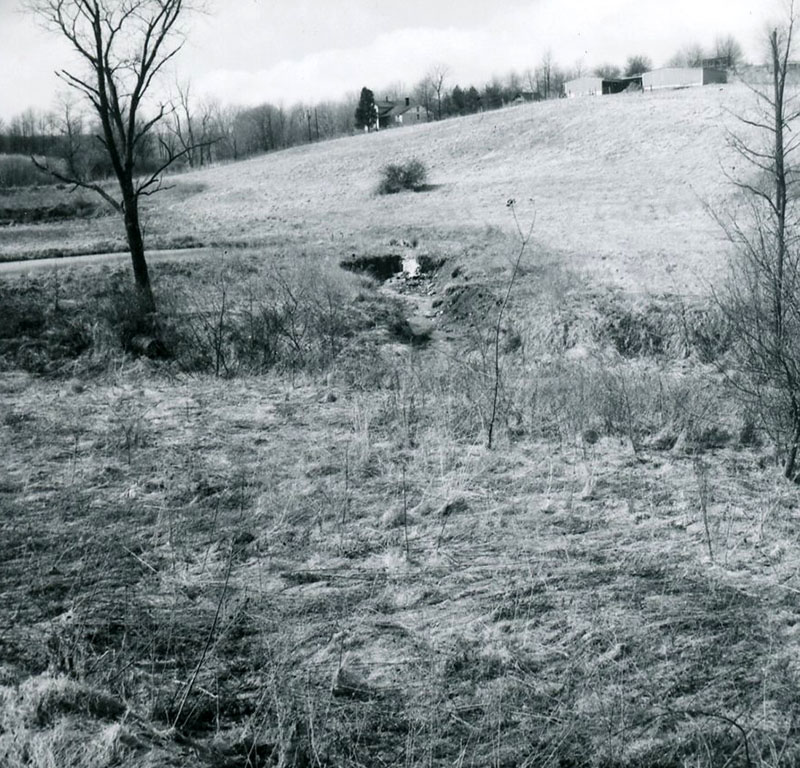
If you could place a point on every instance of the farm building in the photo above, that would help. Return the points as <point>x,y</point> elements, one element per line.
<point>523,97</point>
<point>600,86</point>
<point>396,113</point>
<point>682,77</point>
<point>584,86</point>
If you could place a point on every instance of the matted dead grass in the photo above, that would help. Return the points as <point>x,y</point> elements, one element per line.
<point>273,572</point>
<point>327,567</point>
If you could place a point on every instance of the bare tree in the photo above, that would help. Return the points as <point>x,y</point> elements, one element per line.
<point>225,126</point>
<point>529,77</point>
<point>607,71</point>
<point>124,45</point>
<point>209,131</point>
<point>423,93</point>
<point>193,126</point>
<point>636,65</point>
<point>727,48</point>
<point>690,55</point>
<point>69,123</point>
<point>437,76</point>
<point>395,91</point>
<point>183,122</point>
<point>762,300</point>
<point>546,74</point>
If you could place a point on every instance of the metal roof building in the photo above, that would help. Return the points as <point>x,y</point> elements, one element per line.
<point>599,86</point>
<point>682,77</point>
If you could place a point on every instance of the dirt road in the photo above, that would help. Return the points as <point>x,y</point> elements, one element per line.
<point>16,268</point>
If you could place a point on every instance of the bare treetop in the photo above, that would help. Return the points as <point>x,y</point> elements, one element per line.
<point>124,44</point>
<point>128,42</point>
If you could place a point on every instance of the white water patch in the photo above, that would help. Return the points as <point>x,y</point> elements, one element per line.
<point>410,265</point>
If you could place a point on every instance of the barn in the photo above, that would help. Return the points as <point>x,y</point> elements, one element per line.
<point>600,86</point>
<point>682,77</point>
<point>584,86</point>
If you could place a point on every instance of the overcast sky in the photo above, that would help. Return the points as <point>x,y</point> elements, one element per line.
<point>285,51</point>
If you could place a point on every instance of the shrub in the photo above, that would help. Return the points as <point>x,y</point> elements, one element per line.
<point>227,319</point>
<point>396,177</point>
<point>37,332</point>
<point>126,314</point>
<point>288,320</point>
<point>19,171</point>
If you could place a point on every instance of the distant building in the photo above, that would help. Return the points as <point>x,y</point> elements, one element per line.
<point>584,86</point>
<point>717,62</point>
<point>397,113</point>
<point>682,77</point>
<point>600,86</point>
<point>761,74</point>
<point>523,97</point>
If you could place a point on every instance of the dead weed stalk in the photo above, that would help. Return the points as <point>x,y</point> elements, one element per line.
<point>524,239</point>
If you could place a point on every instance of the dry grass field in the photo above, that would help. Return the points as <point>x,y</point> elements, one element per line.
<point>279,538</point>
<point>619,185</point>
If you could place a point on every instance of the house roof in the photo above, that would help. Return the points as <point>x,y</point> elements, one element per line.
<point>384,107</point>
<point>388,108</point>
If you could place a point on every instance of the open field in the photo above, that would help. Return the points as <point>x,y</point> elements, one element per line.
<point>609,177</point>
<point>277,537</point>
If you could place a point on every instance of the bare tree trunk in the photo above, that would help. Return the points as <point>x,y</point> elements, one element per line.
<point>791,459</point>
<point>779,81</point>
<point>133,231</point>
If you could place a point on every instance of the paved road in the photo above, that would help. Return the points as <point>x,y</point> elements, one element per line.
<point>16,268</point>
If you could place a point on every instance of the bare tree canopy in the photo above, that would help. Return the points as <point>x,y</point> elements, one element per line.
<point>607,71</point>
<point>437,76</point>
<point>124,45</point>
<point>690,55</point>
<point>762,302</point>
<point>728,48</point>
<point>636,65</point>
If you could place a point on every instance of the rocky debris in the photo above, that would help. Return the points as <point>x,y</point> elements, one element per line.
<point>409,266</point>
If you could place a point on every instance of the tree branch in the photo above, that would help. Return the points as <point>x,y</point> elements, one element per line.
<point>77,182</point>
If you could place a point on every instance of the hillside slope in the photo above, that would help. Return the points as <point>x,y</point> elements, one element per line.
<point>619,186</point>
<point>292,541</point>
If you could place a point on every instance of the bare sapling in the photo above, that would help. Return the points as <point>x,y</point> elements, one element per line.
<point>761,301</point>
<point>524,239</point>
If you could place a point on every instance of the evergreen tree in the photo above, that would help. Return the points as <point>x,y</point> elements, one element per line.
<point>365,111</point>
<point>493,95</point>
<point>458,100</point>
<point>472,100</point>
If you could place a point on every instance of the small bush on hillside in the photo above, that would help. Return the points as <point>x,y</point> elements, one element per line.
<point>396,177</point>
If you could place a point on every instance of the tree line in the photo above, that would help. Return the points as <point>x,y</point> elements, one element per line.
<point>204,131</point>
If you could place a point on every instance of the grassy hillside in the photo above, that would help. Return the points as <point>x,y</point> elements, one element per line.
<point>619,186</point>
<point>264,527</point>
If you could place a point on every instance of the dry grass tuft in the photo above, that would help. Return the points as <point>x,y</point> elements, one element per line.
<point>55,721</point>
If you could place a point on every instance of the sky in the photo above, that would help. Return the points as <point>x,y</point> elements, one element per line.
<point>245,52</point>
